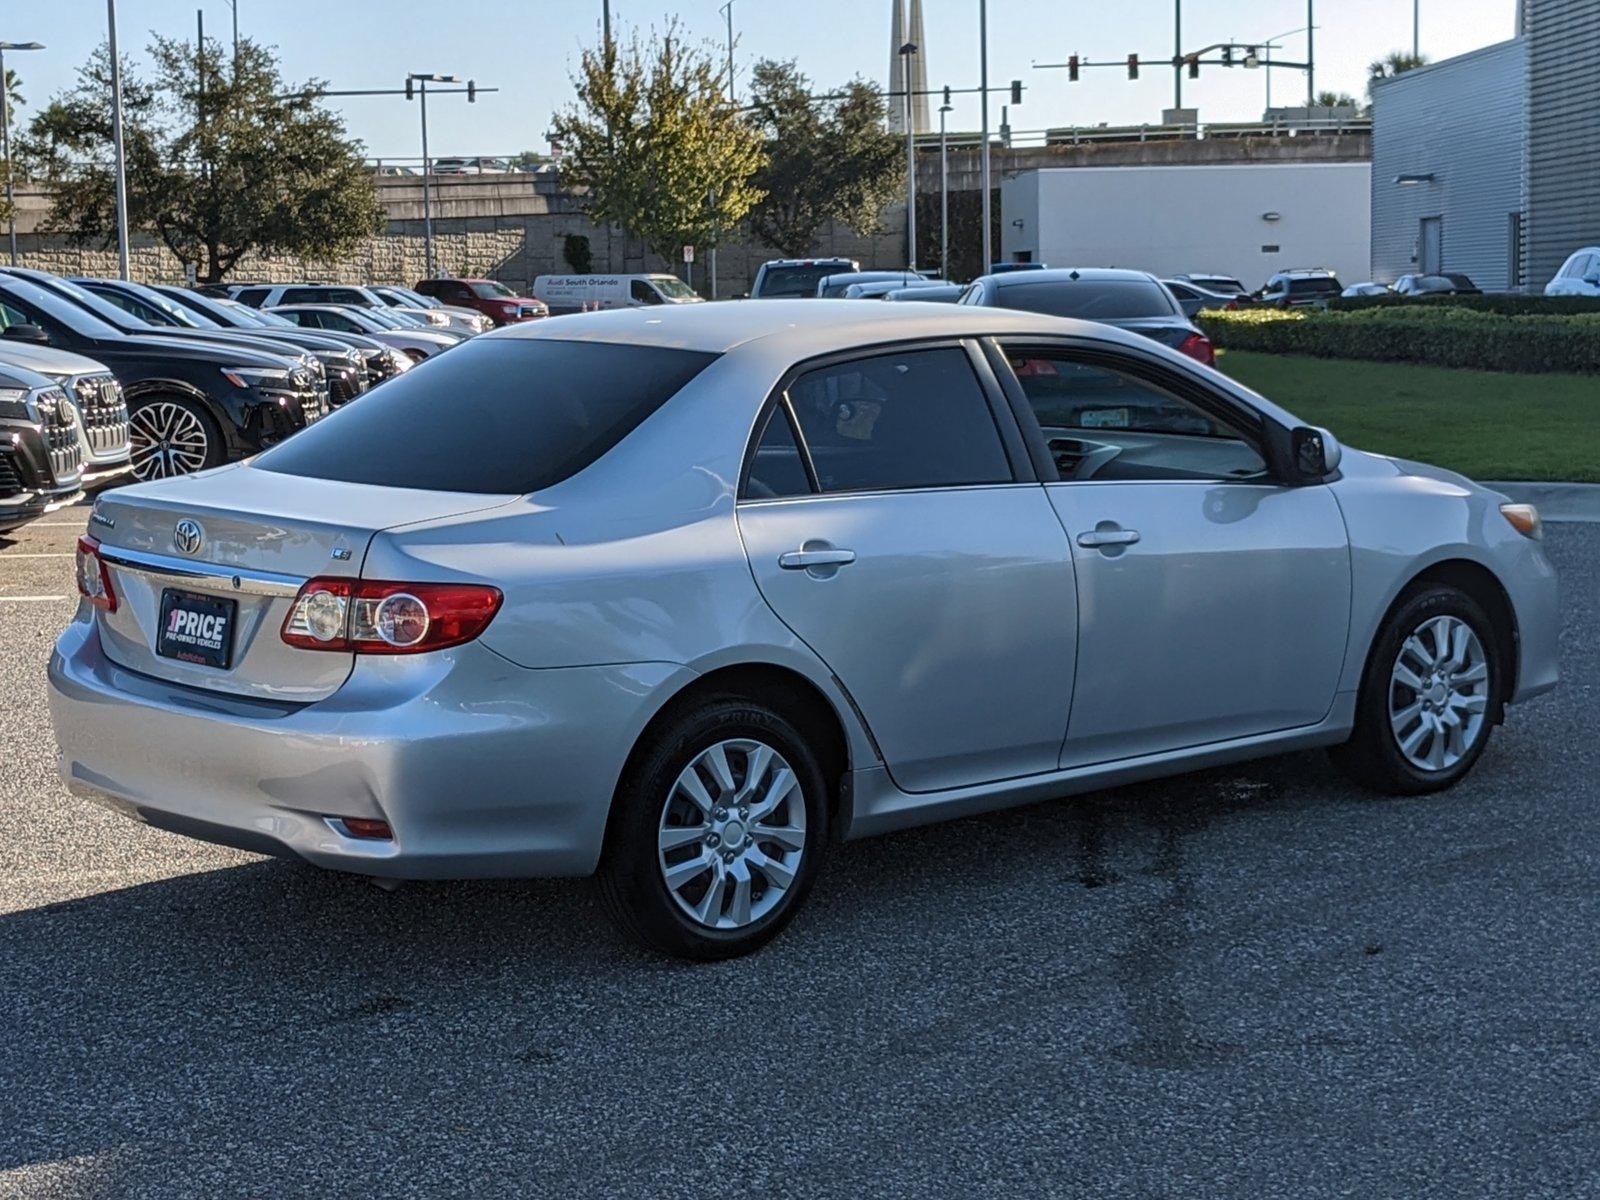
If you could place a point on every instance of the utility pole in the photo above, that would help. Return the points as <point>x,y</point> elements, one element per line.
<point>983,154</point>
<point>116,140</point>
<point>1416,28</point>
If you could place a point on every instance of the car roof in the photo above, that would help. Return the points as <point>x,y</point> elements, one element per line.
<point>814,326</point>
<point>1069,275</point>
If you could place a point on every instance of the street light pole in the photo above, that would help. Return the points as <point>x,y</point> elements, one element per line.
<point>944,195</point>
<point>1311,52</point>
<point>983,153</point>
<point>116,140</point>
<point>422,80</point>
<point>1177,53</point>
<point>907,52</point>
<point>1416,28</point>
<point>5,136</point>
<point>711,267</point>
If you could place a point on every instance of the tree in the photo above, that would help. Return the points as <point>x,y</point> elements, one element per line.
<point>223,159</point>
<point>657,147</point>
<point>1334,100</point>
<point>1396,62</point>
<point>14,101</point>
<point>828,158</point>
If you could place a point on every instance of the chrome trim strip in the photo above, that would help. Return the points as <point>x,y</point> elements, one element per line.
<point>232,579</point>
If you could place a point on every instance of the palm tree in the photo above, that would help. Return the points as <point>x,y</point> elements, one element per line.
<point>1396,62</point>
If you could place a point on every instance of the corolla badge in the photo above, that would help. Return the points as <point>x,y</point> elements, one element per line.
<point>187,536</point>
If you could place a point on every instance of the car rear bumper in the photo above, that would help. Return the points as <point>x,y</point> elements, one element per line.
<point>480,767</point>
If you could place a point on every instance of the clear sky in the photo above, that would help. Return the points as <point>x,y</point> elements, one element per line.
<point>528,49</point>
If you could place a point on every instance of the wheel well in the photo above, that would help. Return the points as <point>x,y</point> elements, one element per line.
<point>791,694</point>
<point>1480,583</point>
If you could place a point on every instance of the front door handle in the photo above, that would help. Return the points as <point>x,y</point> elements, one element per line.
<point>808,558</point>
<point>1102,537</point>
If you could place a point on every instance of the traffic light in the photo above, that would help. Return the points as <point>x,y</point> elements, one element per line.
<point>1133,66</point>
<point>1072,69</point>
<point>1016,91</point>
<point>946,96</point>
<point>472,91</point>
<point>1227,56</point>
<point>1194,66</point>
<point>409,88</point>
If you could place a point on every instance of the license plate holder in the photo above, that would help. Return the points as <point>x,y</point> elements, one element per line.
<point>196,628</point>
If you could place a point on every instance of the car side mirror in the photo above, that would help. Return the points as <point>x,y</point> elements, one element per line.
<point>27,332</point>
<point>1316,453</point>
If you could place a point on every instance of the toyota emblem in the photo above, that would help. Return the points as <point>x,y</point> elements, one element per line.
<point>187,536</point>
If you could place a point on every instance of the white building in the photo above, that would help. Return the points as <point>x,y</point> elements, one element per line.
<point>1243,220</point>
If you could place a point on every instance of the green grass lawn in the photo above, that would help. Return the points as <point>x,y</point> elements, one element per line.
<point>1485,424</point>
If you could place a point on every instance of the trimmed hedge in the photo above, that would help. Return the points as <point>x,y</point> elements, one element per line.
<point>1506,304</point>
<point>1433,335</point>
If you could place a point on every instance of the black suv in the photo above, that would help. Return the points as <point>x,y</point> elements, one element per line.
<point>192,404</point>
<point>383,362</point>
<point>41,456</point>
<point>1311,288</point>
<point>343,366</point>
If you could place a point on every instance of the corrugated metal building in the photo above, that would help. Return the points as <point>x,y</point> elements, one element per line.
<point>1489,163</point>
<point>1563,39</point>
<point>1448,167</point>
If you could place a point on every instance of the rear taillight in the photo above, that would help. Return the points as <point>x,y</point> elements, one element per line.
<point>1198,347</point>
<point>1231,306</point>
<point>94,581</point>
<point>367,616</point>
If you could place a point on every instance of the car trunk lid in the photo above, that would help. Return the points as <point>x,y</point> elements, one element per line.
<point>237,543</point>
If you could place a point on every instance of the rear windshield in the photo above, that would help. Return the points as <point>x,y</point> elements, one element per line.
<point>794,281</point>
<point>498,416</point>
<point>1316,285</point>
<point>1091,299</point>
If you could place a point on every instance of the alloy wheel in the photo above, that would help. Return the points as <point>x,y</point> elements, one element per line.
<point>732,833</point>
<point>167,439</point>
<point>1439,694</point>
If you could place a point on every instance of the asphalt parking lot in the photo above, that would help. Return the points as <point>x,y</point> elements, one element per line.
<point>1252,982</point>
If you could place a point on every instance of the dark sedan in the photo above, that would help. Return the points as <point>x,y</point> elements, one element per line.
<point>1133,300</point>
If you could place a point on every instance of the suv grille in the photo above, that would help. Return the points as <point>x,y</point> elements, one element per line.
<point>104,414</point>
<point>313,398</point>
<point>10,480</point>
<point>61,438</point>
<point>343,388</point>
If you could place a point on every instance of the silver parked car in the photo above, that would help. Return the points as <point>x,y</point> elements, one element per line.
<point>416,342</point>
<point>679,595</point>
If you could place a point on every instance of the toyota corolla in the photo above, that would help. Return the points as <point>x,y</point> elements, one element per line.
<point>679,596</point>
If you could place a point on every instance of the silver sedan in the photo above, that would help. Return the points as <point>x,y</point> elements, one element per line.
<point>681,595</point>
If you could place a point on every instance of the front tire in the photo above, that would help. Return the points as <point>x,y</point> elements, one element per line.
<point>717,832</point>
<point>1429,698</point>
<point>172,435</point>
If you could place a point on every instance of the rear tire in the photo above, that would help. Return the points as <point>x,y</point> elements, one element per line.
<point>1429,697</point>
<point>172,435</point>
<point>716,833</point>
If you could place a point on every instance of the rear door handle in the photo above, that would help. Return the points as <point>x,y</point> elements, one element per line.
<point>804,560</point>
<point>1108,537</point>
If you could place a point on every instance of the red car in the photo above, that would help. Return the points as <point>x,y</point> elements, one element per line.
<point>494,300</point>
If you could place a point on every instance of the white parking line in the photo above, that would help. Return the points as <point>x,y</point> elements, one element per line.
<point>55,525</point>
<point>7,554</point>
<point>30,599</point>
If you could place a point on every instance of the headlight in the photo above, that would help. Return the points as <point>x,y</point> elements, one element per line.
<point>436,318</point>
<point>14,404</point>
<point>353,357</point>
<point>399,360</point>
<point>247,377</point>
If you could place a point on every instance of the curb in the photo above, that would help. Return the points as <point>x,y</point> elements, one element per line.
<point>1578,502</point>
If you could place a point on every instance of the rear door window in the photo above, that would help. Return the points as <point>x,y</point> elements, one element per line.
<point>253,296</point>
<point>523,415</point>
<point>918,418</point>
